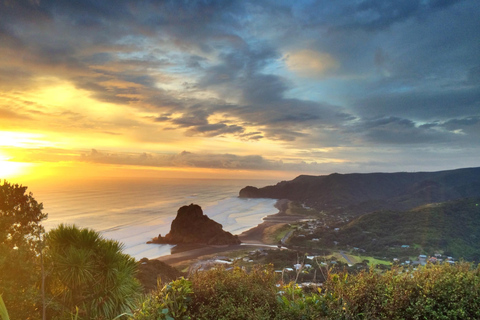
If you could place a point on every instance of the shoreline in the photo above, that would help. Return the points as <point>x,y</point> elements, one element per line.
<point>251,238</point>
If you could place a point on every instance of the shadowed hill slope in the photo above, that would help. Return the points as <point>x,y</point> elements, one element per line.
<point>452,228</point>
<point>360,193</point>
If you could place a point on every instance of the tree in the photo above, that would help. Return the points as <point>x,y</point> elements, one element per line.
<point>90,273</point>
<point>20,241</point>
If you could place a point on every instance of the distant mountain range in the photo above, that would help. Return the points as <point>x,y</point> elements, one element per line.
<point>361,193</point>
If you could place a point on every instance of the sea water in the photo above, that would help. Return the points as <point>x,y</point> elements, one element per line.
<point>133,211</point>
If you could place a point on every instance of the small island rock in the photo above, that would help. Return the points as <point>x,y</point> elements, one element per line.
<point>192,226</point>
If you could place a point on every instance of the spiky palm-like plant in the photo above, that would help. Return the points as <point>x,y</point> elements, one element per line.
<point>3,310</point>
<point>88,272</point>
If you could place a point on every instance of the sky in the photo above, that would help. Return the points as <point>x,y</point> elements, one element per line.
<point>237,89</point>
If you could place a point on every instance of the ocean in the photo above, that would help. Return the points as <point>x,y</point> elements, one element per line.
<point>133,211</point>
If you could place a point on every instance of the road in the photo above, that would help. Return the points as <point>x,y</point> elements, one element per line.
<point>346,258</point>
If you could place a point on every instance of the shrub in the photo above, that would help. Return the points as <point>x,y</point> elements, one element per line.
<point>170,302</point>
<point>234,294</point>
<point>431,292</point>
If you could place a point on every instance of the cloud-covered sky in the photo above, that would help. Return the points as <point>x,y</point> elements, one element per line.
<point>242,86</point>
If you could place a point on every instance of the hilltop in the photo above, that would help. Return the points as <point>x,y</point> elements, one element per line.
<point>361,193</point>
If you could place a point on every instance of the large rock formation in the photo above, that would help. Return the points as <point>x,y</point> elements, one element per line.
<point>192,226</point>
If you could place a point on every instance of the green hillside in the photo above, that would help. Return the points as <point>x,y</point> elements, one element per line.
<point>452,228</point>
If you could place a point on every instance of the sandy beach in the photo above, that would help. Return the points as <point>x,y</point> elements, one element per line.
<point>253,238</point>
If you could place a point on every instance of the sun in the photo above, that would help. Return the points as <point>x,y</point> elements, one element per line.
<point>12,169</point>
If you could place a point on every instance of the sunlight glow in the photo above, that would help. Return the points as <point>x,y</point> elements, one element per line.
<point>12,169</point>
<point>23,140</point>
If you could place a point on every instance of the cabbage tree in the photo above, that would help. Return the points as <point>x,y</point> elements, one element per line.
<point>88,273</point>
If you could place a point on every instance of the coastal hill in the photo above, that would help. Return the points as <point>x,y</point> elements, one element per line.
<point>360,193</point>
<point>191,226</point>
<point>452,228</point>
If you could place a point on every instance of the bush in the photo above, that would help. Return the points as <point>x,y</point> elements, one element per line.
<point>431,292</point>
<point>234,294</point>
<point>170,302</point>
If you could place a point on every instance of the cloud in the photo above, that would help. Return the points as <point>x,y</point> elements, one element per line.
<point>310,63</point>
<point>376,74</point>
<point>183,159</point>
<point>368,15</point>
<point>423,105</point>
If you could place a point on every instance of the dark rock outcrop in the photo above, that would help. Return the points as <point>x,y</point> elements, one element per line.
<point>192,226</point>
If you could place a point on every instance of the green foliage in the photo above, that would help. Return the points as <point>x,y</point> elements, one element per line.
<point>297,304</point>
<point>20,232</point>
<point>451,227</point>
<point>234,294</point>
<point>170,302</point>
<point>89,273</point>
<point>3,310</point>
<point>431,292</point>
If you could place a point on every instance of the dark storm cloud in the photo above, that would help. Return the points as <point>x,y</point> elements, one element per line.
<point>368,14</point>
<point>424,105</point>
<point>393,130</point>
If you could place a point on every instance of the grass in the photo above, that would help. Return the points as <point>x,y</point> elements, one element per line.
<point>373,261</point>
<point>275,233</point>
<point>358,259</point>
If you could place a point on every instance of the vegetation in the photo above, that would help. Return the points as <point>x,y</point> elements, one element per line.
<point>432,292</point>
<point>88,273</point>
<point>20,245</point>
<point>452,228</point>
<point>88,277</point>
<point>170,302</point>
<point>149,271</point>
<point>3,310</point>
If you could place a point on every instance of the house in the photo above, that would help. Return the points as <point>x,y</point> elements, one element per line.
<point>433,260</point>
